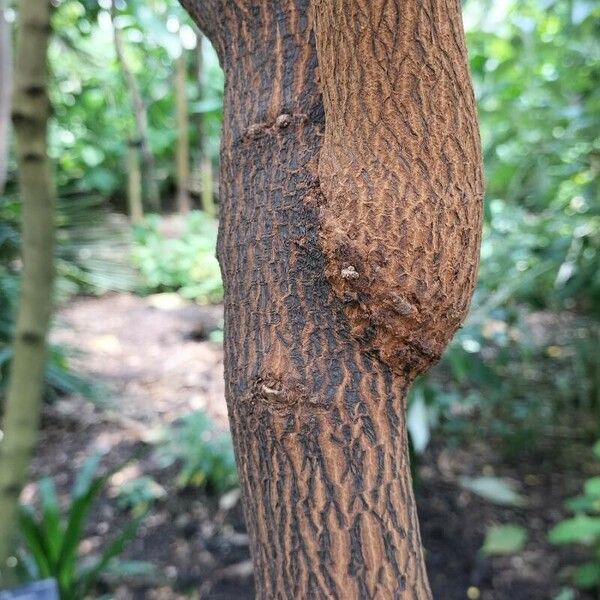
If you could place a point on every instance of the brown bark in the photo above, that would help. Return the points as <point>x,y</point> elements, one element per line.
<point>401,147</point>
<point>348,243</point>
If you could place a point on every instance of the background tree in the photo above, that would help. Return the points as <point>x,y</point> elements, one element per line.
<point>350,226</point>
<point>140,138</point>
<point>36,187</point>
<point>183,135</point>
<point>203,161</point>
<point>5,90</point>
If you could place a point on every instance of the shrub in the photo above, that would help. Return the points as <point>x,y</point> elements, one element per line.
<point>185,264</point>
<point>52,537</point>
<point>203,452</point>
<point>583,529</point>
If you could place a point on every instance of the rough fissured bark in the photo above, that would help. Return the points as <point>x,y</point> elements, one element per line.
<point>351,215</point>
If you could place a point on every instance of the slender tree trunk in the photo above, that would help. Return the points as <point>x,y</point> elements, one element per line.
<point>207,198</point>
<point>134,184</point>
<point>23,400</point>
<point>141,118</point>
<point>5,91</point>
<point>203,163</point>
<point>351,196</point>
<point>183,136</point>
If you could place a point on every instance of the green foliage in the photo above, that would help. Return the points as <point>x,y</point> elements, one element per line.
<point>183,262</point>
<point>94,120</point>
<point>536,67</point>
<point>91,248</point>
<point>88,259</point>
<point>504,539</point>
<point>583,528</point>
<point>53,537</point>
<point>204,453</point>
<point>496,490</point>
<point>138,495</point>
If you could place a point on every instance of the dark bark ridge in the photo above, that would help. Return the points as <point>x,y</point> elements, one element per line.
<point>317,416</point>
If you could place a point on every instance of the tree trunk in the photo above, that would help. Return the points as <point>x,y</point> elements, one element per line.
<point>140,117</point>
<point>134,184</point>
<point>183,137</point>
<point>23,400</point>
<point>207,198</point>
<point>351,193</point>
<point>203,162</point>
<point>5,91</point>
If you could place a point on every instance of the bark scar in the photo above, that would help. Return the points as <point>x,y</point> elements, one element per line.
<point>283,121</point>
<point>282,395</point>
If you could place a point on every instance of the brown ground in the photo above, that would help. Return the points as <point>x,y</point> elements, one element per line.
<point>158,365</point>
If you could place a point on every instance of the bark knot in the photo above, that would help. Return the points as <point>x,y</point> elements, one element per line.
<point>276,392</point>
<point>350,272</point>
<point>283,396</point>
<point>283,121</point>
<point>257,130</point>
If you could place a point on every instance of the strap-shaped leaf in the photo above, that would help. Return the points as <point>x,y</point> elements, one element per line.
<point>34,539</point>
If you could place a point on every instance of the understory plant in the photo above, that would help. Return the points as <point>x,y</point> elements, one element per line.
<point>182,260</point>
<point>52,536</point>
<point>203,452</point>
<point>88,260</point>
<point>583,529</point>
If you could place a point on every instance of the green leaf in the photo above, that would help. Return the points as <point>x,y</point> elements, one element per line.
<point>597,449</point>
<point>592,487</point>
<point>496,490</point>
<point>90,575</point>
<point>34,540</point>
<point>581,529</point>
<point>85,490</point>
<point>50,519</point>
<point>566,594</point>
<point>587,575</point>
<point>504,539</point>
<point>130,568</point>
<point>85,477</point>
<point>582,504</point>
<point>418,421</point>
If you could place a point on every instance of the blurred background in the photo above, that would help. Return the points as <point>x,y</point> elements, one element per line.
<point>504,431</point>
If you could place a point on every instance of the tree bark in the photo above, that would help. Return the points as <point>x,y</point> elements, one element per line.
<point>5,91</point>
<point>23,401</point>
<point>351,209</point>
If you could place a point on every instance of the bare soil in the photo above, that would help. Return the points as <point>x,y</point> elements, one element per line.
<point>158,363</point>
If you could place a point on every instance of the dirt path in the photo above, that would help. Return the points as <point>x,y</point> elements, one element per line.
<point>154,354</point>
